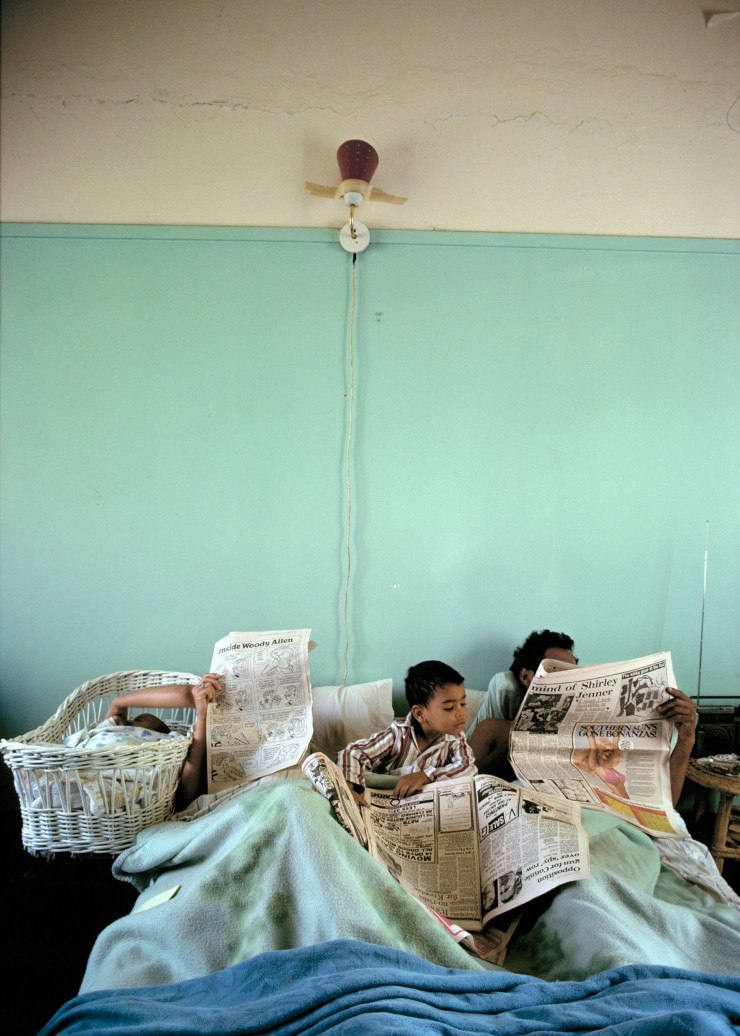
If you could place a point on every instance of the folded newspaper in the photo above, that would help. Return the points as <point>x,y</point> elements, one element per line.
<point>261,720</point>
<point>468,849</point>
<point>594,735</point>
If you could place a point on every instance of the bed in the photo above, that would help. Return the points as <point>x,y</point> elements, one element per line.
<point>257,913</point>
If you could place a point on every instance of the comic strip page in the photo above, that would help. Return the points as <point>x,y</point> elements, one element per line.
<point>261,721</point>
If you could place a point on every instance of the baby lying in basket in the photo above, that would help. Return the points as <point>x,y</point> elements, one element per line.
<point>113,731</point>
<point>101,792</point>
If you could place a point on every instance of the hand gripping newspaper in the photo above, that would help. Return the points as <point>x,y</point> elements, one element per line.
<point>468,849</point>
<point>261,720</point>
<point>592,734</point>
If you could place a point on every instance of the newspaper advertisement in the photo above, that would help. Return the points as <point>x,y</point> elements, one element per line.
<point>593,734</point>
<point>261,720</point>
<point>470,848</point>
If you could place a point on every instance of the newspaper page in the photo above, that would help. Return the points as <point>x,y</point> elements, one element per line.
<point>529,844</point>
<point>468,849</point>
<point>328,779</point>
<point>592,734</point>
<point>429,843</point>
<point>261,720</point>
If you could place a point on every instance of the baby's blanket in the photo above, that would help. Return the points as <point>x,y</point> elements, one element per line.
<point>272,870</point>
<point>108,734</point>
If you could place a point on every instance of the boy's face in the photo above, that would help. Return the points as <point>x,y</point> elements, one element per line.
<point>445,712</point>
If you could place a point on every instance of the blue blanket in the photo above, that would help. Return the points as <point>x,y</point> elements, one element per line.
<point>346,987</point>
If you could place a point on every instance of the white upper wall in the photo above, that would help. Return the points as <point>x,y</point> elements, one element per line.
<point>547,116</point>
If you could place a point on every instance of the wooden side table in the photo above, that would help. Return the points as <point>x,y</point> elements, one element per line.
<point>728,787</point>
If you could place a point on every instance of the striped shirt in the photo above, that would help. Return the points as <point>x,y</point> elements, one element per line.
<point>395,751</point>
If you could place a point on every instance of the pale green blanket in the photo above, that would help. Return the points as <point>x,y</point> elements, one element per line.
<point>268,870</point>
<point>632,910</point>
<point>271,869</point>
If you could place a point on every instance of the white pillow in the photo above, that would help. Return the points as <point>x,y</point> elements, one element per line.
<point>344,714</point>
<point>474,700</point>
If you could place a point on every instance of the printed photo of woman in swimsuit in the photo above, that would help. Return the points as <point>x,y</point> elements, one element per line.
<point>600,760</point>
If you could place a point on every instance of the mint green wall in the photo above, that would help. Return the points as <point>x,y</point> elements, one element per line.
<point>542,428</point>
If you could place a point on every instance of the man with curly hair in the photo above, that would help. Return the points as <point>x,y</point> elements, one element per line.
<point>488,734</point>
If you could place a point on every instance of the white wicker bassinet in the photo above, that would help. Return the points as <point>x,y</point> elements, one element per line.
<point>131,787</point>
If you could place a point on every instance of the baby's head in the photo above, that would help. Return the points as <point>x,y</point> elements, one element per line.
<point>436,696</point>
<point>150,722</point>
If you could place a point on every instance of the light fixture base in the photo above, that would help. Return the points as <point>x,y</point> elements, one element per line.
<point>352,197</point>
<point>359,242</point>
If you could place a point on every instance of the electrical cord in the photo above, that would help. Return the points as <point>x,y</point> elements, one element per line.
<point>348,473</point>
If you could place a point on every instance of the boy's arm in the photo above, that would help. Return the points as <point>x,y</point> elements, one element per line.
<point>457,762</point>
<point>372,753</point>
<point>409,783</point>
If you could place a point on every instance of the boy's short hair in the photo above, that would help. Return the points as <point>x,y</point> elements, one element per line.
<point>422,681</point>
<point>529,654</point>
